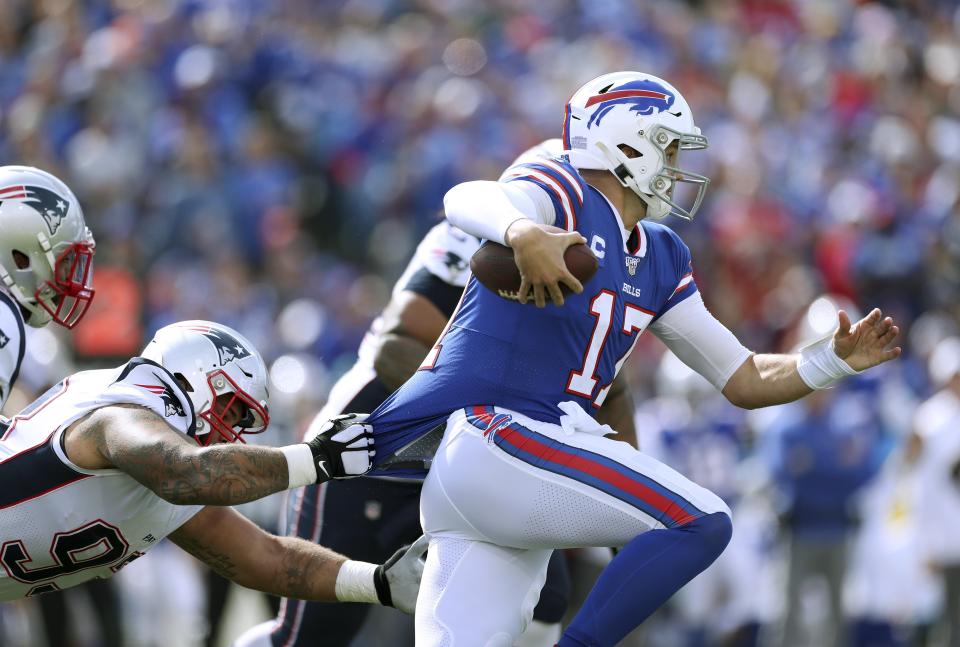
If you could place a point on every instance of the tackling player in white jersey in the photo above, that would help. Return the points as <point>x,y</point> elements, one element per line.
<point>106,463</point>
<point>46,261</point>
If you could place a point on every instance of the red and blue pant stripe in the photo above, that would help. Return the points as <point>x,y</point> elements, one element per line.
<point>598,471</point>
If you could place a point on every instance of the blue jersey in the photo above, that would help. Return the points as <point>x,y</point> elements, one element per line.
<point>495,351</point>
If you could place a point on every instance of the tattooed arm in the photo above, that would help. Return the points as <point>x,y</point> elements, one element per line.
<point>242,552</point>
<point>138,442</point>
<point>295,568</point>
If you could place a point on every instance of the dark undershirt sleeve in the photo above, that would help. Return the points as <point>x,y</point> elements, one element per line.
<point>434,289</point>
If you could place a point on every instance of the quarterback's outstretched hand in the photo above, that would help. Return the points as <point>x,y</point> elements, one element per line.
<point>398,579</point>
<point>343,448</point>
<point>539,257</point>
<point>864,344</point>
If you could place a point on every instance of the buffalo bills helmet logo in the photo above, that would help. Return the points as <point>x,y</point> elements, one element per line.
<point>228,347</point>
<point>644,98</point>
<point>48,204</point>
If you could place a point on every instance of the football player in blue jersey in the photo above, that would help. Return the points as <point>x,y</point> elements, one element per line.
<point>369,517</point>
<point>522,468</point>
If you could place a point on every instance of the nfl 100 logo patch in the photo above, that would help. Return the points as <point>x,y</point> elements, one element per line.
<point>632,263</point>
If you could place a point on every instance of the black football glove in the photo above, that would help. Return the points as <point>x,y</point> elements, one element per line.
<point>398,579</point>
<point>343,448</point>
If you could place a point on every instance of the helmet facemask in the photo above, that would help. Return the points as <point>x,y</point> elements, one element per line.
<point>656,188</point>
<point>222,374</point>
<point>227,395</point>
<point>68,294</point>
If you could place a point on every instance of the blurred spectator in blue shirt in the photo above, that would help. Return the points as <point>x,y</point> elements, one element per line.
<point>824,448</point>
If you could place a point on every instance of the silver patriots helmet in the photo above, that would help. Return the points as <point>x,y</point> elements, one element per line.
<point>46,249</point>
<point>218,367</point>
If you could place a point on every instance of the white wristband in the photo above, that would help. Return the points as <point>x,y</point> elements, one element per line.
<point>355,582</point>
<point>819,366</point>
<point>301,469</point>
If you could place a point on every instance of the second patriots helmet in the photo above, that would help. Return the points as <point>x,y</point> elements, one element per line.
<point>46,250</point>
<point>218,367</point>
<point>647,114</point>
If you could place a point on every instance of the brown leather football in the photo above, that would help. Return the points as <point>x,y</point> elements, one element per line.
<point>494,267</point>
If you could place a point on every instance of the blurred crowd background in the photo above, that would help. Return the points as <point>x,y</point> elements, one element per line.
<point>271,165</point>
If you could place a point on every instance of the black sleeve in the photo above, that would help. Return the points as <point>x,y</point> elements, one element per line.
<point>440,293</point>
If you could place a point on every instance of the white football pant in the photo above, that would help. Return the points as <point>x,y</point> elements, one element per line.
<point>503,492</point>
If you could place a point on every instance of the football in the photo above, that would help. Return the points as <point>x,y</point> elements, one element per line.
<point>494,267</point>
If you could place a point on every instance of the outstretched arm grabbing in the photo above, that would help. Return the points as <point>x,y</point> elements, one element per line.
<point>291,567</point>
<point>138,442</point>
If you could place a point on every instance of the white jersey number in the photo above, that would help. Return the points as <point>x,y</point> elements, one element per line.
<point>582,382</point>
<point>93,545</point>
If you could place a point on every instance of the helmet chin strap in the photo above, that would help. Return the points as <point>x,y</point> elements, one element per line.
<point>9,284</point>
<point>657,209</point>
<point>35,316</point>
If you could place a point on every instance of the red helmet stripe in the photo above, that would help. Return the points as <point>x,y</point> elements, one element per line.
<point>624,94</point>
<point>13,192</point>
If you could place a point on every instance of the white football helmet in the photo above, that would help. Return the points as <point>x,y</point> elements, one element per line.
<point>46,250</point>
<point>647,114</point>
<point>212,360</point>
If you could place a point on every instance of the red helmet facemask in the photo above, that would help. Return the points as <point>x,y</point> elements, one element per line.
<point>67,297</point>
<point>254,420</point>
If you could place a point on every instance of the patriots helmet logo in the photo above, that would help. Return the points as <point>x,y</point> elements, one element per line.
<point>51,206</point>
<point>171,404</point>
<point>644,97</point>
<point>454,261</point>
<point>228,347</point>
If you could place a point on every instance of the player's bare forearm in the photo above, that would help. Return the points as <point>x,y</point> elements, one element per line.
<point>765,380</point>
<point>175,468</point>
<point>617,411</point>
<point>413,315</point>
<point>219,475</point>
<point>397,358</point>
<point>242,552</point>
<point>411,325</point>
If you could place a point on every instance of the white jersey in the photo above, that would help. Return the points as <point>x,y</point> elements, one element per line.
<point>445,252</point>
<point>12,344</point>
<point>61,525</point>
